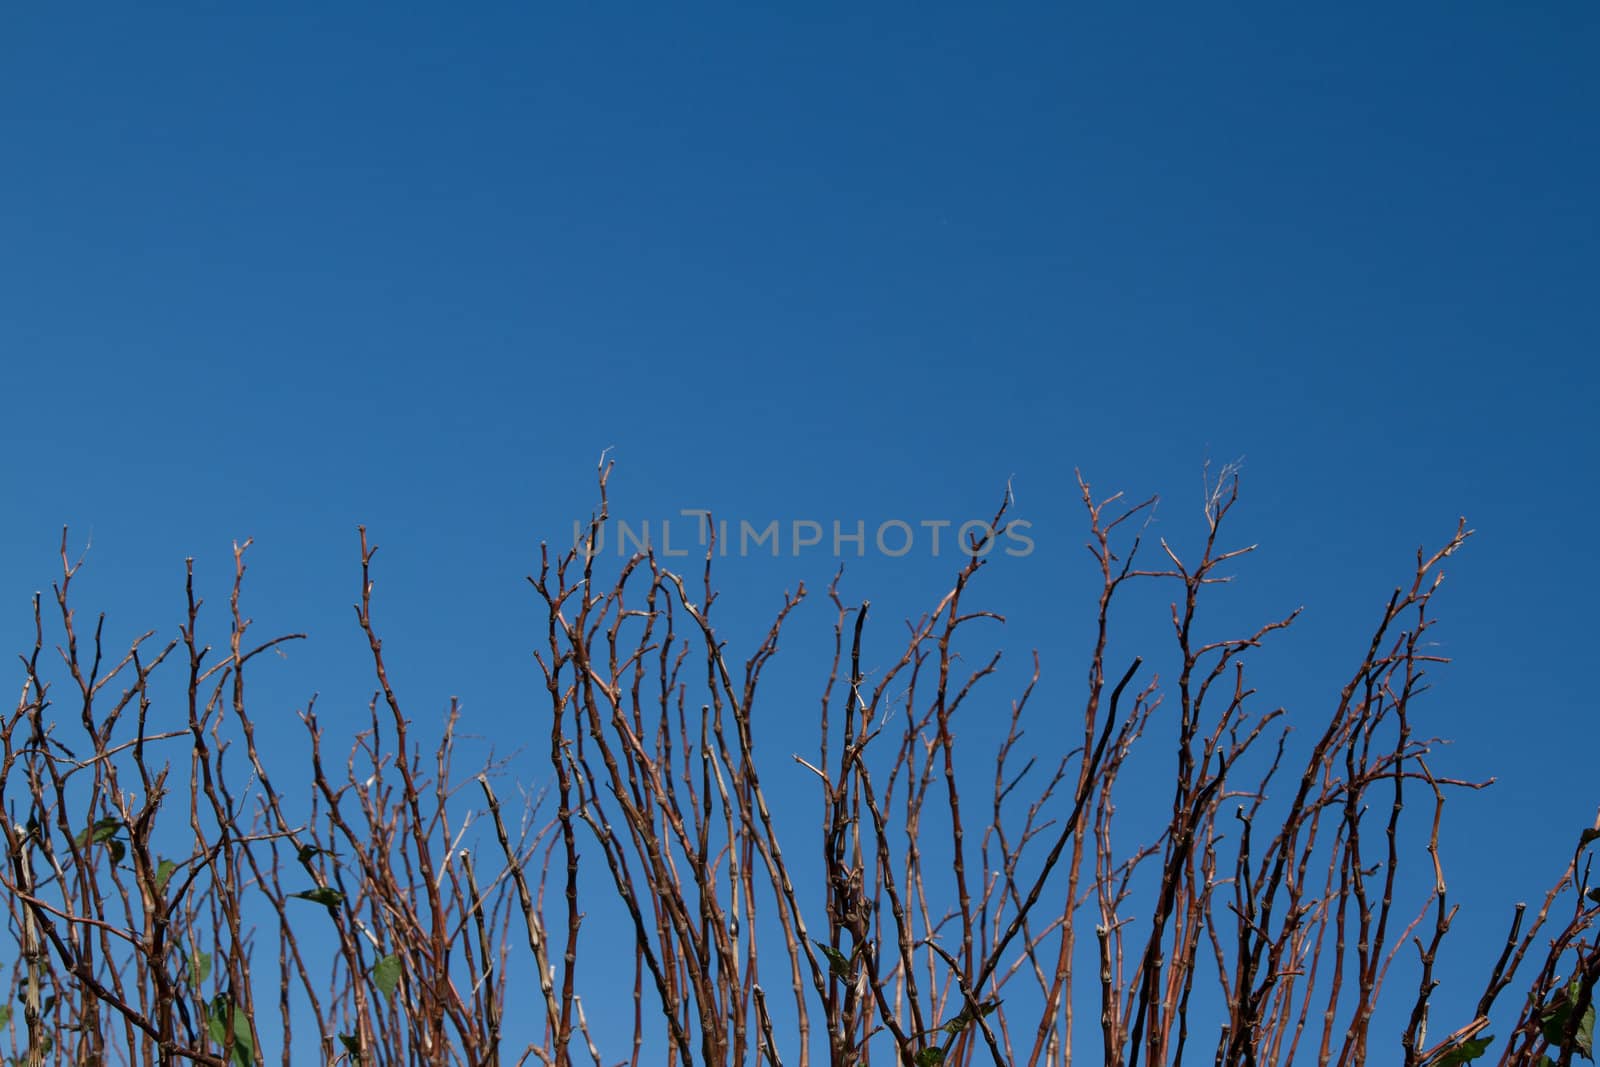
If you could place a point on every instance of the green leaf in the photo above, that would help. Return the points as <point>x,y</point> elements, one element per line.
<point>1465,1052</point>
<point>164,871</point>
<point>386,975</point>
<point>103,830</point>
<point>1553,1024</point>
<point>5,1015</point>
<point>218,1013</point>
<point>352,1046</point>
<point>199,966</point>
<point>118,850</point>
<point>1557,1017</point>
<point>1582,1037</point>
<point>323,894</point>
<point>244,1045</point>
<point>931,1056</point>
<point>838,962</point>
<point>968,1016</point>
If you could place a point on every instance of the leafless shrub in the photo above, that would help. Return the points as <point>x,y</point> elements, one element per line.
<point>925,921</point>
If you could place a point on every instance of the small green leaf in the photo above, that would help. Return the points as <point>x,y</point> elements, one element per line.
<point>838,962</point>
<point>352,1047</point>
<point>103,830</point>
<point>1465,1052</point>
<point>217,1014</point>
<point>1583,1036</point>
<point>386,975</point>
<point>244,1045</point>
<point>1557,1017</point>
<point>323,894</point>
<point>118,850</point>
<point>1554,1023</point>
<point>199,966</point>
<point>164,871</point>
<point>5,1015</point>
<point>931,1056</point>
<point>968,1016</point>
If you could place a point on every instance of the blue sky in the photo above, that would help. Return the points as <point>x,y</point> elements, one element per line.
<point>275,274</point>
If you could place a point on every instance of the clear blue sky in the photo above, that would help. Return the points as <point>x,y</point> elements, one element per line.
<point>276,274</point>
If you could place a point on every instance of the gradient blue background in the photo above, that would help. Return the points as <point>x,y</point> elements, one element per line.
<point>273,274</point>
